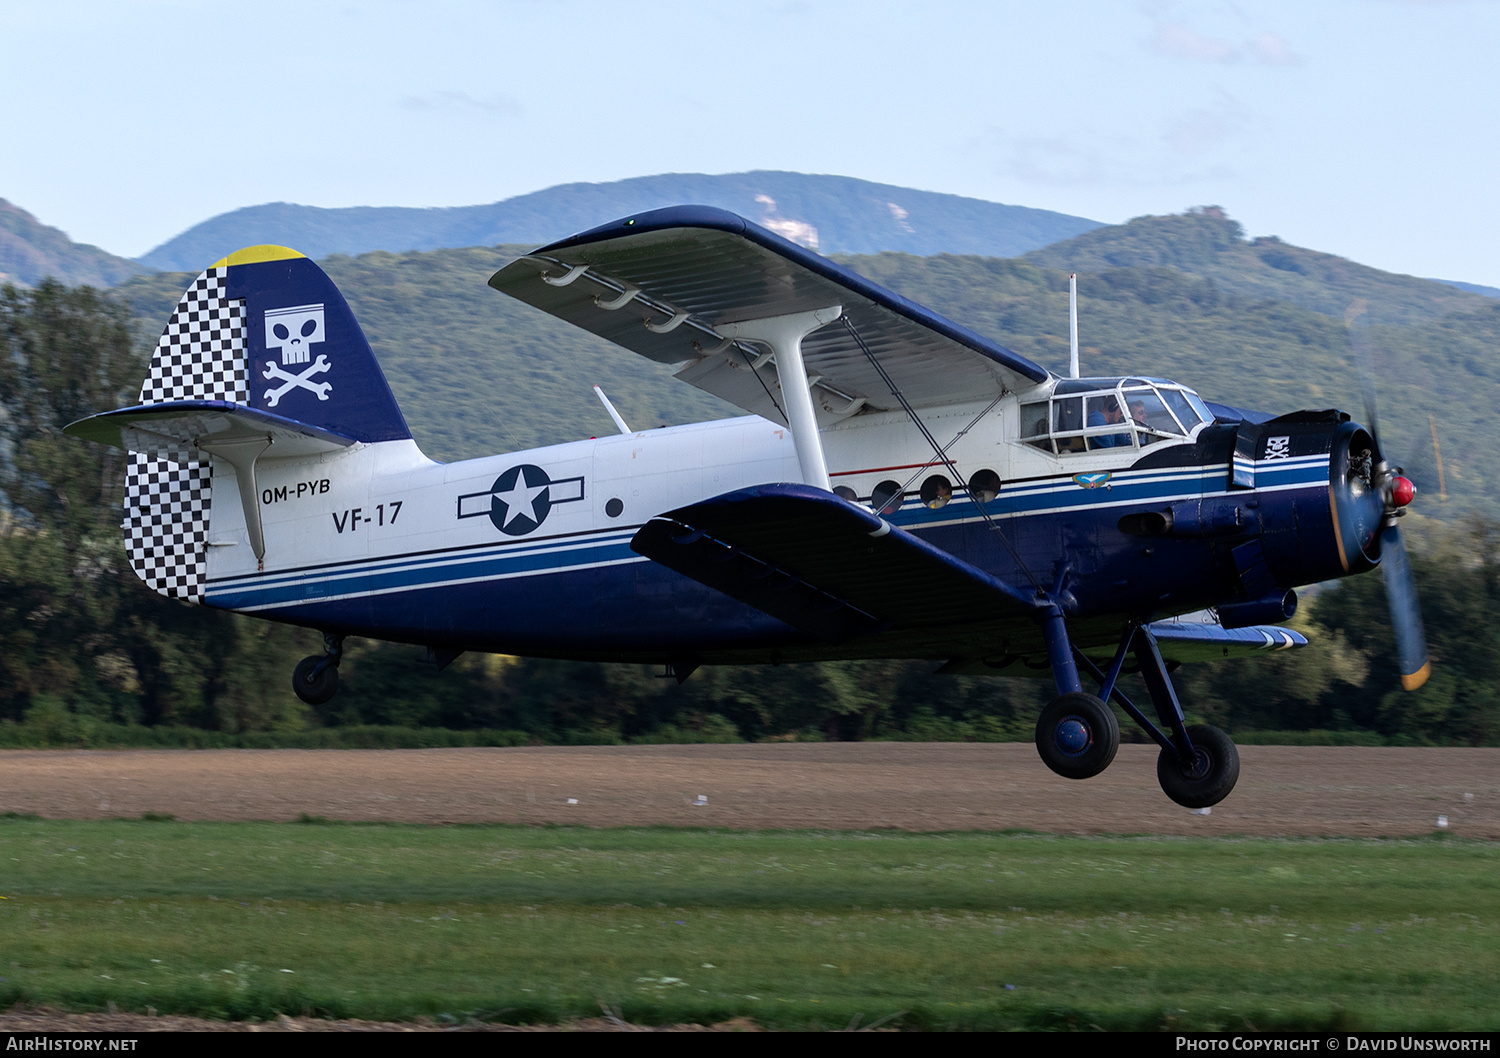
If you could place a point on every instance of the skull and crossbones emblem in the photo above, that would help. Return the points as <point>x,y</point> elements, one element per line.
<point>290,381</point>
<point>294,330</point>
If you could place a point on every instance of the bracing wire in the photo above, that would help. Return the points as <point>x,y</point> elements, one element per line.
<point>942,454</point>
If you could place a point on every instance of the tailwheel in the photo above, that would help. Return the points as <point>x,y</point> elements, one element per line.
<point>315,679</point>
<point>1208,777</point>
<point>1077,735</point>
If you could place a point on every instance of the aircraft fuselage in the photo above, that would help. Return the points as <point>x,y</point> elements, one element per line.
<point>529,552</point>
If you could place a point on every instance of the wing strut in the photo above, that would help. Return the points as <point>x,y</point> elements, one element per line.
<point>946,460</point>
<point>784,335</point>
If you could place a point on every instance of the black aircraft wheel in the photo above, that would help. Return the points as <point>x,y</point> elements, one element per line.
<point>1211,775</point>
<point>1077,735</point>
<point>315,687</point>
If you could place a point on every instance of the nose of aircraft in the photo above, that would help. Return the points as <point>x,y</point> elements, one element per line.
<point>1358,500</point>
<point>1368,497</point>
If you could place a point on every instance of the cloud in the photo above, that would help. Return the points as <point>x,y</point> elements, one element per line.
<point>1272,49</point>
<point>499,106</point>
<point>1204,130</point>
<point>1181,154</point>
<point>1056,161</point>
<point>1182,42</point>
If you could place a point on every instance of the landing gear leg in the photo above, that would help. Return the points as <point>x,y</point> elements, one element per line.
<point>316,678</point>
<point>1201,766</point>
<point>1077,735</point>
<point>1198,766</point>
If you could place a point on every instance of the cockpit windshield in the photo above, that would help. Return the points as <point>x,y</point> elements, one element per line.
<point>1093,414</point>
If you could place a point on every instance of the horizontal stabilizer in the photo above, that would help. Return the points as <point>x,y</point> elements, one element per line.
<point>833,569</point>
<point>1189,639</point>
<point>661,283</point>
<point>174,427</point>
<point>185,432</point>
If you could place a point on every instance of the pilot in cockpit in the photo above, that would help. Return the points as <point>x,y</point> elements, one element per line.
<point>1106,412</point>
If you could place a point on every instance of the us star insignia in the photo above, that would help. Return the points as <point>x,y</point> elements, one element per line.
<point>520,499</point>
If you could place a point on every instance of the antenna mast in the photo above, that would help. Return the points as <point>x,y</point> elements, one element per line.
<point>1438,453</point>
<point>1073,325</point>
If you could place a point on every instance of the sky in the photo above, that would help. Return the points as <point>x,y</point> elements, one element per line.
<point>1363,128</point>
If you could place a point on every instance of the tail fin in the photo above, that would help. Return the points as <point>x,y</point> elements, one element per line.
<point>264,327</point>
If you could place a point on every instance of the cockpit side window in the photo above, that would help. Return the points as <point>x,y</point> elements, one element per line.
<point>1034,429</point>
<point>1094,414</point>
<point>1186,413</point>
<point>1068,420</point>
<point>1147,412</point>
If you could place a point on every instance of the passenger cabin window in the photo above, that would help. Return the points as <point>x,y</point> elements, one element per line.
<point>1104,414</point>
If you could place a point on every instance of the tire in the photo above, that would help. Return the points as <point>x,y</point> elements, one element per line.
<point>315,688</point>
<point>1216,769</point>
<point>1077,735</point>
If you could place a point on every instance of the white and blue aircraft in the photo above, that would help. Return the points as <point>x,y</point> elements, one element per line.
<point>902,487</point>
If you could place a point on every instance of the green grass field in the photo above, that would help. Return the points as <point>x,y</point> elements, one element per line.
<point>790,928</point>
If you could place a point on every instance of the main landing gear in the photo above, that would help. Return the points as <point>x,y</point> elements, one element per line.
<point>1077,735</point>
<point>316,678</point>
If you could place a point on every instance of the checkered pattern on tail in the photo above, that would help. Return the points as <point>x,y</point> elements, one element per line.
<point>200,356</point>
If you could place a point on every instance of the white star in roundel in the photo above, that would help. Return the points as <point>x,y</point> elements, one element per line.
<point>521,501</point>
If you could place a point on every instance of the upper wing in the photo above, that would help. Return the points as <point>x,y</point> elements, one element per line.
<point>659,283</point>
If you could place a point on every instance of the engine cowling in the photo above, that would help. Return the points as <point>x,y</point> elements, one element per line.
<point>1356,492</point>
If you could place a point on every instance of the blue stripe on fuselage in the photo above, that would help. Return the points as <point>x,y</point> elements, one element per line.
<point>424,570</point>
<point>591,591</point>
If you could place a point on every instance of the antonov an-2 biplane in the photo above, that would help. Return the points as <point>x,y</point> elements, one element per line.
<point>902,488</point>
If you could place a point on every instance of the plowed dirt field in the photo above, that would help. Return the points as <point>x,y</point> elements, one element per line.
<point>1345,791</point>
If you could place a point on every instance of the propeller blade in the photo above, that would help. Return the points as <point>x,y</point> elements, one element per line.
<point>1406,614</point>
<point>1358,326</point>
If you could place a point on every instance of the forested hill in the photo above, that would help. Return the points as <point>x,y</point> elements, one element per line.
<point>833,214</point>
<point>30,251</point>
<point>1472,288</point>
<point>477,372</point>
<point>1208,244</point>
